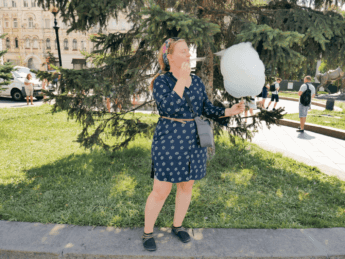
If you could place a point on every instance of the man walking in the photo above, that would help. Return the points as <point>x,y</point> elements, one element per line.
<point>303,110</point>
<point>275,95</point>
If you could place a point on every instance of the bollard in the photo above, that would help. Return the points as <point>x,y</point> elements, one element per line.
<point>330,105</point>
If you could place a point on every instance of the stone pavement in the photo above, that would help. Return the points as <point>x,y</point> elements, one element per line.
<point>9,103</point>
<point>19,240</point>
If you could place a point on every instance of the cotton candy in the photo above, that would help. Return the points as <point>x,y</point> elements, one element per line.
<point>242,70</point>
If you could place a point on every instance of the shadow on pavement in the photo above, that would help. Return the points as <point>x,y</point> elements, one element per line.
<point>305,135</point>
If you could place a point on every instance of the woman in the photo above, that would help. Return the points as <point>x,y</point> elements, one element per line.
<point>29,88</point>
<point>177,156</point>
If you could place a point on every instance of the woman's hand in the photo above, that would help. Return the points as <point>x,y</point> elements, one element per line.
<point>185,71</point>
<point>235,109</point>
<point>185,74</point>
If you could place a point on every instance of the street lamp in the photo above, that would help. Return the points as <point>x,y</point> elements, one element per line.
<point>55,10</point>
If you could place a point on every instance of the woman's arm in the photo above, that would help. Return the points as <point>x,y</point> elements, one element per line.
<point>211,111</point>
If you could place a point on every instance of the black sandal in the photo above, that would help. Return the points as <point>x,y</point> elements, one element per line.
<point>149,242</point>
<point>181,233</point>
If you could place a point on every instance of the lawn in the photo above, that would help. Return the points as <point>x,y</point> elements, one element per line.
<point>46,177</point>
<point>295,95</point>
<point>335,119</point>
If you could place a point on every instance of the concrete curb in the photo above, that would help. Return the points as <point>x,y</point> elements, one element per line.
<point>35,240</point>
<point>297,100</point>
<point>328,131</point>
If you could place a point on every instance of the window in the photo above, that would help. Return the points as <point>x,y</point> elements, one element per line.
<point>75,44</point>
<point>16,43</point>
<point>26,3</point>
<point>27,43</point>
<point>14,4</point>
<point>8,44</point>
<point>48,43</point>
<point>5,3</point>
<point>47,23</point>
<point>31,23</point>
<point>7,23</point>
<point>83,45</point>
<point>15,23</point>
<point>65,44</point>
<point>35,45</point>
<point>33,3</point>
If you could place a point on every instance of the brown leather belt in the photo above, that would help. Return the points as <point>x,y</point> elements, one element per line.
<point>176,119</point>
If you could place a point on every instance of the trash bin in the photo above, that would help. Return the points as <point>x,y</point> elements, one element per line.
<point>330,105</point>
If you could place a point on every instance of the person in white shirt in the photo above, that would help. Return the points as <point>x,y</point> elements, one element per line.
<point>275,95</point>
<point>303,110</point>
<point>29,88</point>
<point>249,106</point>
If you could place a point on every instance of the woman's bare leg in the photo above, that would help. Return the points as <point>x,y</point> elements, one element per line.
<point>183,198</point>
<point>155,203</point>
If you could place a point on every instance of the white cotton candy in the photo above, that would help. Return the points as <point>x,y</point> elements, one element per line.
<point>242,70</point>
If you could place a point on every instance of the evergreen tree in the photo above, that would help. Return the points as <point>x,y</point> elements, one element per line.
<point>5,69</point>
<point>284,34</point>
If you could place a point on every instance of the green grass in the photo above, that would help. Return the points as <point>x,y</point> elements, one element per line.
<point>314,117</point>
<point>46,177</point>
<point>295,95</point>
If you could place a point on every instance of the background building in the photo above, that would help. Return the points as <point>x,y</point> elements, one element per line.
<point>31,35</point>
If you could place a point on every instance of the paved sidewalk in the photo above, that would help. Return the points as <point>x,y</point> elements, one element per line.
<point>9,103</point>
<point>326,153</point>
<point>38,241</point>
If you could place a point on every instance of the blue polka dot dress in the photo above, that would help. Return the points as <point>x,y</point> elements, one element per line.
<point>176,152</point>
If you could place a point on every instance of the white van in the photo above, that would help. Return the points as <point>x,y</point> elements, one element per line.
<point>16,89</point>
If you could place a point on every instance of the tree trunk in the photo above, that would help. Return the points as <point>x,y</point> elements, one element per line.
<point>206,75</point>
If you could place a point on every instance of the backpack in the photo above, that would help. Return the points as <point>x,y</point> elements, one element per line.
<point>272,88</point>
<point>306,97</point>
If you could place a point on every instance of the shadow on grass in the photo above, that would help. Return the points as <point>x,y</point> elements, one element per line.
<point>244,187</point>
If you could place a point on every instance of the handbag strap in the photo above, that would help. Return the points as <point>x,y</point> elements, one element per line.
<point>185,96</point>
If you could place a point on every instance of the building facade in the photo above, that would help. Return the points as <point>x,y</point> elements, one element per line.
<point>31,35</point>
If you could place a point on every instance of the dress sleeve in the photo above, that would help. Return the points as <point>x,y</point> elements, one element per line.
<point>167,100</point>
<point>211,111</point>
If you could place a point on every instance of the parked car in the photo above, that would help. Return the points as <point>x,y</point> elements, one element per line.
<point>16,89</point>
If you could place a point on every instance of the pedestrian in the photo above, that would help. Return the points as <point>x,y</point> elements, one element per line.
<point>177,156</point>
<point>135,96</point>
<point>249,106</point>
<point>264,95</point>
<point>275,95</point>
<point>303,110</point>
<point>111,95</point>
<point>45,85</point>
<point>29,88</point>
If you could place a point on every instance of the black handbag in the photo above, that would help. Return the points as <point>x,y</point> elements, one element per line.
<point>203,125</point>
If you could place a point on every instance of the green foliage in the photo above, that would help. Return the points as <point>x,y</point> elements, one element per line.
<point>5,69</point>
<point>289,39</point>
<point>275,46</point>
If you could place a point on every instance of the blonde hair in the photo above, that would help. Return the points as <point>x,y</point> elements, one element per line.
<point>163,66</point>
<point>308,78</point>
<point>279,79</point>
